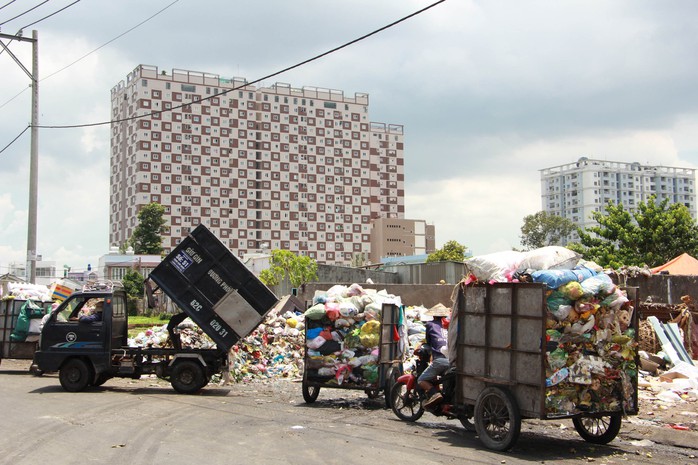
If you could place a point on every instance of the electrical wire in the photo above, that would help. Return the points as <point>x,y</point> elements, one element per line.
<point>109,42</point>
<point>89,53</point>
<point>8,3</point>
<point>48,16</point>
<point>16,95</point>
<point>13,140</point>
<point>289,68</point>
<point>22,14</point>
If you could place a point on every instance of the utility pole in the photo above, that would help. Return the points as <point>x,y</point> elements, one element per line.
<point>34,155</point>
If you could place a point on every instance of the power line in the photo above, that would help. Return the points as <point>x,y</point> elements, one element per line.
<point>16,95</point>
<point>8,3</point>
<point>89,53</point>
<point>289,68</point>
<point>48,16</point>
<point>31,24</point>
<point>13,140</point>
<point>22,14</point>
<point>109,42</point>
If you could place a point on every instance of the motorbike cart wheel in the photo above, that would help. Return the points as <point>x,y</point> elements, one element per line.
<point>310,392</point>
<point>187,377</point>
<point>74,375</point>
<point>598,430</point>
<point>405,404</point>
<point>391,379</point>
<point>467,423</point>
<point>372,393</point>
<point>497,418</point>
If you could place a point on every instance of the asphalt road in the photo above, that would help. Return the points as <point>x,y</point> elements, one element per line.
<point>146,422</point>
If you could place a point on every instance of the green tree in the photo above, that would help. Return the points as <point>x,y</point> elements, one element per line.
<point>299,269</point>
<point>451,251</point>
<point>147,237</point>
<point>133,285</point>
<point>654,234</point>
<point>543,229</point>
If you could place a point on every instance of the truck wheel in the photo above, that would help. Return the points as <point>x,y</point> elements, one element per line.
<point>405,404</point>
<point>187,377</point>
<point>497,418</point>
<point>310,392</point>
<point>101,379</point>
<point>598,430</point>
<point>74,375</point>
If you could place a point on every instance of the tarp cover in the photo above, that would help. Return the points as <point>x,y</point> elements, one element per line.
<point>684,264</point>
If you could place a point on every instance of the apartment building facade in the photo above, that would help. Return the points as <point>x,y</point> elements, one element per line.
<point>303,170</point>
<point>576,190</point>
<point>401,237</point>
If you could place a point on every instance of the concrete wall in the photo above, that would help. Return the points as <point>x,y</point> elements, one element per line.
<point>663,288</point>
<point>428,273</point>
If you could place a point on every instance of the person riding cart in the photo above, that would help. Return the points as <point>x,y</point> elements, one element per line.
<point>436,338</point>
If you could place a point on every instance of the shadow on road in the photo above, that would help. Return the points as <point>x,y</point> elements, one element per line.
<point>545,446</point>
<point>206,392</point>
<point>338,403</point>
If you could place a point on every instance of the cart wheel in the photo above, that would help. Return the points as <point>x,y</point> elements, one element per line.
<point>391,379</point>
<point>467,423</point>
<point>74,375</point>
<point>598,430</point>
<point>497,418</point>
<point>406,404</point>
<point>187,377</point>
<point>310,392</point>
<point>372,393</point>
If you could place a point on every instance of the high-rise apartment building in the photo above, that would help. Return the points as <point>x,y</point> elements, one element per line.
<point>303,170</point>
<point>399,237</point>
<point>576,190</point>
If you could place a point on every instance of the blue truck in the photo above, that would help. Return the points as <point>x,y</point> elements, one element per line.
<point>203,278</point>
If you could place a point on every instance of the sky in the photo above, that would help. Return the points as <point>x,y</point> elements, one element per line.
<point>489,93</point>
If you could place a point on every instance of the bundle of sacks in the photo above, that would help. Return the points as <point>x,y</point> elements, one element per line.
<point>343,335</point>
<point>509,265</point>
<point>590,344</point>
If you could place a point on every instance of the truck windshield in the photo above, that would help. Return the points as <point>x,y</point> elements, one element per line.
<point>77,307</point>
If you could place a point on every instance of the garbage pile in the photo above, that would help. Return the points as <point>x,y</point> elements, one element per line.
<point>342,342</point>
<point>191,335</point>
<point>273,350</point>
<point>590,344</point>
<point>343,333</point>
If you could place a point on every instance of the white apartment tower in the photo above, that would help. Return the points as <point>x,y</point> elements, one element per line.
<point>576,190</point>
<point>274,167</point>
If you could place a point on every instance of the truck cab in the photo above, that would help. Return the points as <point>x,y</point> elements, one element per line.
<point>80,348</point>
<point>203,278</point>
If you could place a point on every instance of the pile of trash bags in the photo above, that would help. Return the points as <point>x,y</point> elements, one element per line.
<point>343,334</point>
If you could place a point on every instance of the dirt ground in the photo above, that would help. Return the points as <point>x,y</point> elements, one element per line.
<point>681,415</point>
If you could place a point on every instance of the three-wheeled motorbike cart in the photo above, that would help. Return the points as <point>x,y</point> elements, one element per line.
<point>354,361</point>
<point>514,360</point>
